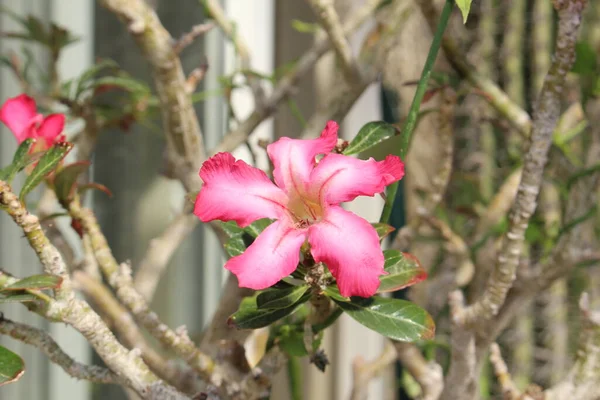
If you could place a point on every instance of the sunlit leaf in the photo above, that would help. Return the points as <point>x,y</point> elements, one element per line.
<point>394,318</point>
<point>465,8</point>
<point>369,135</point>
<point>403,270</point>
<point>383,229</point>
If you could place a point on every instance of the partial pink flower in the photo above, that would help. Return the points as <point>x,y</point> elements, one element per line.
<point>20,115</point>
<point>305,202</point>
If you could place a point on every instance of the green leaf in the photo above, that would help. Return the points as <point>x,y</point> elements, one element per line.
<point>12,366</point>
<point>255,228</point>
<point>36,282</point>
<point>465,8</point>
<point>94,186</point>
<point>249,316</point>
<point>235,246</point>
<point>304,27</point>
<point>232,229</point>
<point>123,82</point>
<point>17,297</point>
<point>403,270</point>
<point>397,319</point>
<point>585,60</point>
<point>383,229</point>
<point>85,79</point>
<point>21,159</point>
<point>369,135</point>
<point>66,178</point>
<point>280,298</point>
<point>47,164</point>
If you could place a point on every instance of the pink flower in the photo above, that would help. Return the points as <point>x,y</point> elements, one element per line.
<point>305,203</point>
<point>20,115</point>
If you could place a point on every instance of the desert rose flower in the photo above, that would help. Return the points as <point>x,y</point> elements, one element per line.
<point>305,201</point>
<point>20,115</point>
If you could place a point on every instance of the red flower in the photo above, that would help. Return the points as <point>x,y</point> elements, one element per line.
<point>20,115</point>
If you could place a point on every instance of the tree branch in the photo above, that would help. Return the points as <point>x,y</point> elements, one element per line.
<point>43,341</point>
<point>428,374</point>
<point>545,117</point>
<point>159,252</point>
<point>582,381</point>
<point>75,312</point>
<point>182,129</point>
<point>120,320</point>
<point>363,372</point>
<point>287,83</point>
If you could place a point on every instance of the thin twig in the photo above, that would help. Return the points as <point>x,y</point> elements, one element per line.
<point>364,372</point>
<point>121,321</point>
<point>182,129</point>
<point>428,374</point>
<point>330,20</point>
<point>287,84</point>
<point>159,252</point>
<point>216,12</point>
<point>188,38</point>
<point>509,389</point>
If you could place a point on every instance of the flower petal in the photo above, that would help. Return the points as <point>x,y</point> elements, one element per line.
<point>349,246</point>
<point>273,255</point>
<point>338,178</point>
<point>17,113</point>
<point>294,159</point>
<point>236,191</point>
<point>51,128</point>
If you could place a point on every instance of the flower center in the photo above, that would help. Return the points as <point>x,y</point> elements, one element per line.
<point>304,211</point>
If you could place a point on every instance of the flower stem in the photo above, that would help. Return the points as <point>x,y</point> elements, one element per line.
<point>413,113</point>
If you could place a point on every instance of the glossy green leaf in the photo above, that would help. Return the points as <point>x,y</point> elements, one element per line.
<point>21,159</point>
<point>235,246</point>
<point>36,282</point>
<point>465,8</point>
<point>394,318</point>
<point>12,366</point>
<point>255,228</point>
<point>383,229</point>
<point>46,165</point>
<point>65,180</point>
<point>249,316</point>
<point>17,297</point>
<point>369,135</point>
<point>280,298</point>
<point>232,229</point>
<point>403,270</point>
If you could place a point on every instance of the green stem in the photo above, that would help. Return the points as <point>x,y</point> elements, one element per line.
<point>413,114</point>
<point>294,378</point>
